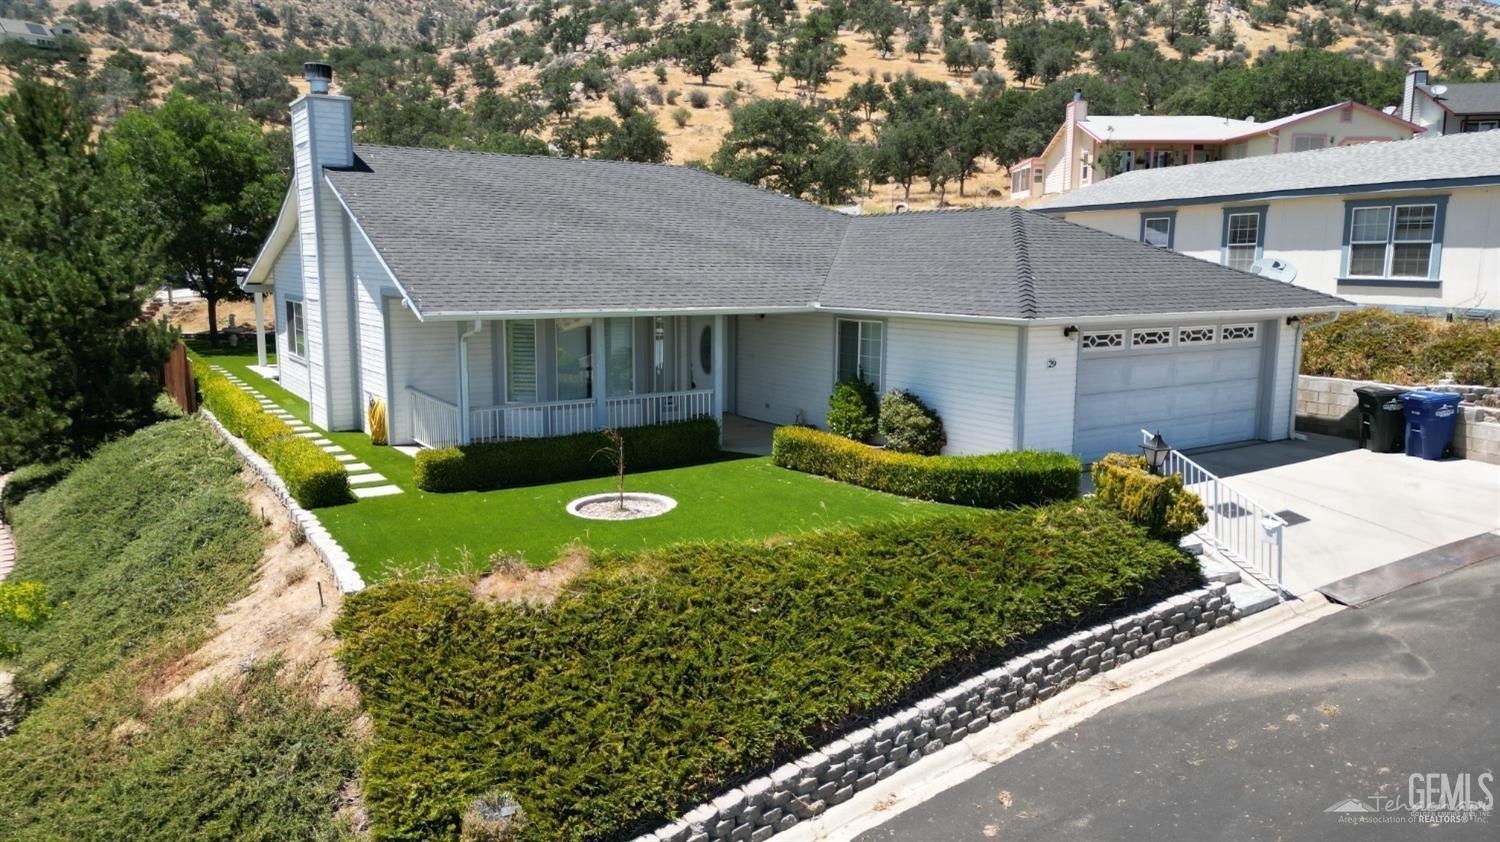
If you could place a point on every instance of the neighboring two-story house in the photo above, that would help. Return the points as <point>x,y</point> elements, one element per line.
<point>1089,148</point>
<point>1450,108</point>
<point>1412,226</point>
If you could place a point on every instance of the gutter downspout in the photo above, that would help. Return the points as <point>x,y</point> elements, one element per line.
<point>463,379</point>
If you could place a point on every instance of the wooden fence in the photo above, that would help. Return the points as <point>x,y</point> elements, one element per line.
<point>177,379</point>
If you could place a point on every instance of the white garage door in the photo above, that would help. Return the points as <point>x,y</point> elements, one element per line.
<point>1198,385</point>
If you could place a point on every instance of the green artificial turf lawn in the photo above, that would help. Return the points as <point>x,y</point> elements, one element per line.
<point>737,497</point>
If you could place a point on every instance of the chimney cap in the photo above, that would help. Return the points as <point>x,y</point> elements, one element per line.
<point>1077,94</point>
<point>318,75</point>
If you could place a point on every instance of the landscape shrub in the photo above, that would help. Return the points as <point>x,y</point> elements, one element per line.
<point>491,465</point>
<point>31,479</point>
<point>1402,349</point>
<point>910,426</point>
<point>658,679</point>
<point>990,480</point>
<point>312,475</point>
<point>1158,503</point>
<point>698,98</point>
<point>853,408</point>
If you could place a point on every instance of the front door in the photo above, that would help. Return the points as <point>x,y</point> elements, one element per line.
<point>700,346</point>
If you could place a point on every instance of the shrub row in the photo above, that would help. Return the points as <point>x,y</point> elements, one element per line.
<point>1160,504</point>
<point>657,678</point>
<point>992,480</point>
<point>482,467</point>
<point>312,476</point>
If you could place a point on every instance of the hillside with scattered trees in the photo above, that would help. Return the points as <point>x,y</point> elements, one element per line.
<point>832,100</point>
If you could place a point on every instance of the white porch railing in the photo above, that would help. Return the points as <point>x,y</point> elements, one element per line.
<point>434,420</point>
<point>1244,531</point>
<point>531,420</point>
<point>659,407</point>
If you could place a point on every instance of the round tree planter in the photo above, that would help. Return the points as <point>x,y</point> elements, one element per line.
<point>607,506</point>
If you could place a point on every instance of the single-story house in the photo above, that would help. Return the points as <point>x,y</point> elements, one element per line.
<point>1089,148</point>
<point>490,296</point>
<point>1452,108</point>
<point>1413,225</point>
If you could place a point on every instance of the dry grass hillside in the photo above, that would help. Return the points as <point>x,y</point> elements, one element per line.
<point>692,133</point>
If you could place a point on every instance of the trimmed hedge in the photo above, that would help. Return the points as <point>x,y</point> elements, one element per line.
<point>491,465</point>
<point>313,477</point>
<point>657,679</point>
<point>992,480</point>
<point>1160,504</point>
<point>910,426</point>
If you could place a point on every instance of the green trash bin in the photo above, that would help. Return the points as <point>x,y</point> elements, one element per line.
<point>1382,425</point>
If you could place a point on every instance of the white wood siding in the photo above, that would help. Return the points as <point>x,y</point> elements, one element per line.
<point>307,236</point>
<point>966,372</point>
<point>1050,389</point>
<point>1283,376</point>
<point>424,357</point>
<point>372,285</point>
<point>345,410</point>
<point>287,274</point>
<point>784,367</point>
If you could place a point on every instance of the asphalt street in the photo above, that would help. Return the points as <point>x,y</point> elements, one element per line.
<point>1364,704</point>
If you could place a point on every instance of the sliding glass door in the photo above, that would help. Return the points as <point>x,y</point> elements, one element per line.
<point>574,359</point>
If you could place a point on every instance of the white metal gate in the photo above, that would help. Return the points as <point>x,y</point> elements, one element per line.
<point>1244,531</point>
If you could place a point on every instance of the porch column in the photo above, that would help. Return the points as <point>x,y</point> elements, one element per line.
<point>464,332</point>
<point>598,355</point>
<point>260,329</point>
<point>721,377</point>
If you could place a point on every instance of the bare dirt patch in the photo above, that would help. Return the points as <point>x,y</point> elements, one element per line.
<point>519,583</point>
<point>281,618</point>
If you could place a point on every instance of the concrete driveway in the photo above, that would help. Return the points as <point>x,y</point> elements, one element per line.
<point>1363,509</point>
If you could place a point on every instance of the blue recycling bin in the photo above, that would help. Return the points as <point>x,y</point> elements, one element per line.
<point>1430,419</point>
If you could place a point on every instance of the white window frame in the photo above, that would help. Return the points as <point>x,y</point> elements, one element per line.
<point>863,325</point>
<point>296,329</point>
<point>1253,245</point>
<point>1146,229</point>
<point>1390,242</point>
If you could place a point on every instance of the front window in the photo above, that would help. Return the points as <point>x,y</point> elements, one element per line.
<point>574,360</point>
<point>619,368</point>
<point>1125,161</point>
<point>1242,241</point>
<point>296,330</point>
<point>1481,125</point>
<point>1157,231</point>
<point>1392,241</point>
<point>1020,182</point>
<point>1306,142</point>
<point>520,362</point>
<point>859,353</point>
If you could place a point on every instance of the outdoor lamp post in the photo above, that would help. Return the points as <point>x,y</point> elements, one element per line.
<point>1156,450</point>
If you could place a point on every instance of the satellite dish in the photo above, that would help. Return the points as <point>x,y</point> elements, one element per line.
<point>1276,270</point>
<point>1438,90</point>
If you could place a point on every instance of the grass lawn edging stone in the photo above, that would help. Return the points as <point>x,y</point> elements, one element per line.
<point>808,786</point>
<point>328,549</point>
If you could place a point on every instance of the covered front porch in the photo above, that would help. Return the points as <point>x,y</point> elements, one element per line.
<point>497,380</point>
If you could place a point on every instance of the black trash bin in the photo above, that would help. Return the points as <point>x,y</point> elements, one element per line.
<point>1382,426</point>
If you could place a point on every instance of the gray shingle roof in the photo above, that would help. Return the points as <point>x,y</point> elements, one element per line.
<point>471,233</point>
<point>1012,263</point>
<point>1351,169</point>
<point>1470,97</point>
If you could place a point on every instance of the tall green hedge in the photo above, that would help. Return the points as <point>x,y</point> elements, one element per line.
<point>482,467</point>
<point>991,480</point>
<point>657,679</point>
<point>1159,503</point>
<point>312,476</point>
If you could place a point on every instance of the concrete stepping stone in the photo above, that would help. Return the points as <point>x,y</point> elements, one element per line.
<point>357,467</point>
<point>301,428</point>
<point>376,491</point>
<point>345,457</point>
<point>365,479</point>
<point>332,448</point>
<point>321,442</point>
<point>308,435</point>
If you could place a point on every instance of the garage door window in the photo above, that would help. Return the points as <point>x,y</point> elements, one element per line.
<point>1103,340</point>
<point>1239,333</point>
<point>1195,335</point>
<point>1150,337</point>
